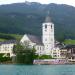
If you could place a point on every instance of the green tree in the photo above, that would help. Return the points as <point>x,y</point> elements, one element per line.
<point>4,58</point>
<point>24,55</point>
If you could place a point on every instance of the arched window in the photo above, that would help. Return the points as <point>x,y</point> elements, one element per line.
<point>51,26</point>
<point>45,26</point>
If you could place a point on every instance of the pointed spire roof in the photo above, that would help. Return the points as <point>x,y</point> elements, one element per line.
<point>48,18</point>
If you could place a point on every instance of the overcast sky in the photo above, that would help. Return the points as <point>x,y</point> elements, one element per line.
<point>69,2</point>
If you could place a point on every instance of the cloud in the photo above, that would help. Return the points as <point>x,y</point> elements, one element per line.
<point>69,2</point>
<point>10,1</point>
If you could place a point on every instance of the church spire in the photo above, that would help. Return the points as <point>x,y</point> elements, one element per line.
<point>48,18</point>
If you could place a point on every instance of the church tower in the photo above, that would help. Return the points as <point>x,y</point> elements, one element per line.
<point>48,35</point>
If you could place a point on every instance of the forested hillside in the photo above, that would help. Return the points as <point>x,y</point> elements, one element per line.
<point>28,17</point>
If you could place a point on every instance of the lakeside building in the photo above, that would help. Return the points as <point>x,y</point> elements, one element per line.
<point>70,55</point>
<point>59,53</point>
<point>46,44</point>
<point>6,47</point>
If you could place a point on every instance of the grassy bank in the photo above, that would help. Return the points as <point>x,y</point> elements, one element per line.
<point>4,37</point>
<point>69,41</point>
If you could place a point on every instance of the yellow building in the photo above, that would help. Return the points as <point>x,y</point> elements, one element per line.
<point>6,47</point>
<point>58,53</point>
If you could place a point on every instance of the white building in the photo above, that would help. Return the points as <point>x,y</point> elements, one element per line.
<point>6,47</point>
<point>33,41</point>
<point>46,43</point>
<point>48,35</point>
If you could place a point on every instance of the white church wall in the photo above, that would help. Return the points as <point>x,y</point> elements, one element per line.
<point>39,49</point>
<point>25,40</point>
<point>48,37</point>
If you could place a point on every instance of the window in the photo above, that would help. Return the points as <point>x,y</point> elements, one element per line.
<point>55,55</point>
<point>58,56</point>
<point>51,39</point>
<point>45,39</point>
<point>37,48</point>
<point>40,48</point>
<point>51,30</point>
<point>51,26</point>
<point>45,30</point>
<point>45,26</point>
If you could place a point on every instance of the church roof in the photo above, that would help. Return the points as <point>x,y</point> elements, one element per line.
<point>35,39</point>
<point>48,19</point>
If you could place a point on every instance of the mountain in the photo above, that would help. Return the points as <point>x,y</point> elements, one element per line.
<point>21,18</point>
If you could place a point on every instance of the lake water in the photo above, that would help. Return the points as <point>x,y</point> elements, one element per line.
<point>37,69</point>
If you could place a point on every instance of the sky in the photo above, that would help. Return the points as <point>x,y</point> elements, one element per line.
<point>69,2</point>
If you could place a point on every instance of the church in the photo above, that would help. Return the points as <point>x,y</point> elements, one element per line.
<point>45,44</point>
